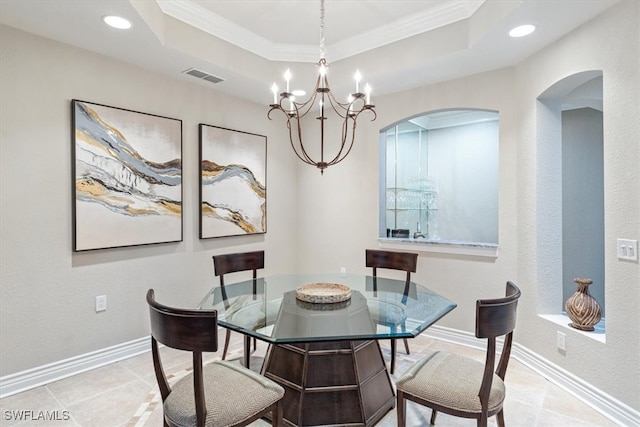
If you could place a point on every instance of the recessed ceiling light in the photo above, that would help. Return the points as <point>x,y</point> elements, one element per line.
<point>116,22</point>
<point>522,30</point>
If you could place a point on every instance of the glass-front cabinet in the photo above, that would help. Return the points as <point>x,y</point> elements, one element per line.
<point>410,193</point>
<point>410,211</point>
<point>439,178</point>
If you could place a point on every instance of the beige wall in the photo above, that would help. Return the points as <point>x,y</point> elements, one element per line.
<point>610,43</point>
<point>338,212</point>
<point>316,223</point>
<point>48,292</point>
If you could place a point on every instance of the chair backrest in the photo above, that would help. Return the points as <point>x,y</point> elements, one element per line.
<point>183,329</point>
<point>404,261</point>
<point>232,263</point>
<point>495,318</point>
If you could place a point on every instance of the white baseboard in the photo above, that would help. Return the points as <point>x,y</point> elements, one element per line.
<point>616,411</point>
<point>25,380</point>
<point>608,406</point>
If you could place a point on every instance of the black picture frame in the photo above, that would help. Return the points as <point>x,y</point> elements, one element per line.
<point>233,182</point>
<point>126,177</point>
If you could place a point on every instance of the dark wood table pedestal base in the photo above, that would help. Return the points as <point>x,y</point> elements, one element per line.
<point>331,383</point>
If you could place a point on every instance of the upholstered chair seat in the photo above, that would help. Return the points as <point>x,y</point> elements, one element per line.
<point>388,314</point>
<point>243,393</point>
<point>451,381</point>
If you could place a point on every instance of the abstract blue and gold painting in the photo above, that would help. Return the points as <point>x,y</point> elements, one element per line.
<point>233,192</point>
<point>127,173</point>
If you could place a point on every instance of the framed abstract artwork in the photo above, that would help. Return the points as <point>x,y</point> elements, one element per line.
<point>127,177</point>
<point>233,192</point>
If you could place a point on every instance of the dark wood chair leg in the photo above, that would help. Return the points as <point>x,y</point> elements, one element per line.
<point>500,418</point>
<point>247,351</point>
<point>401,409</point>
<point>434,413</point>
<point>393,356</point>
<point>226,344</point>
<point>406,346</point>
<point>276,415</point>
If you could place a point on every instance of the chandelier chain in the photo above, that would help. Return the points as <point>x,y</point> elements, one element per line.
<point>322,51</point>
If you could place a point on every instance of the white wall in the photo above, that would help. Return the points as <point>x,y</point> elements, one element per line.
<point>47,293</point>
<point>323,222</point>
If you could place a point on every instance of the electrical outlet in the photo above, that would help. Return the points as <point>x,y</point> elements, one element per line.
<point>343,271</point>
<point>561,341</point>
<point>627,249</point>
<point>101,303</point>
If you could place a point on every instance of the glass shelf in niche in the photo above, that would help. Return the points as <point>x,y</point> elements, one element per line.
<point>410,212</point>
<point>410,198</point>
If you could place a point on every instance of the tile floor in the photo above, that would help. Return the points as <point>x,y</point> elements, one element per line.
<point>125,394</point>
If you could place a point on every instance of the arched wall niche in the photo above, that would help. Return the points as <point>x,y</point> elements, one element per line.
<point>570,190</point>
<point>439,178</point>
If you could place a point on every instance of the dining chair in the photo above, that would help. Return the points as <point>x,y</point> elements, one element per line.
<point>404,261</point>
<point>458,385</point>
<point>234,263</point>
<point>218,394</point>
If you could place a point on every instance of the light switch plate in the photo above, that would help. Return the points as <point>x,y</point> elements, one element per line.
<point>561,341</point>
<point>101,303</point>
<point>627,249</point>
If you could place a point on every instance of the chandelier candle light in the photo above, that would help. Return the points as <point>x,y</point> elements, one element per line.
<point>348,111</point>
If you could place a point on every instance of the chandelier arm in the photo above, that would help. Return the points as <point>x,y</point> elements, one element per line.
<point>308,105</point>
<point>338,107</point>
<point>345,135</point>
<point>375,115</point>
<point>279,106</point>
<point>276,107</point>
<point>306,155</point>
<point>306,159</point>
<point>353,135</point>
<point>343,105</point>
<point>349,108</point>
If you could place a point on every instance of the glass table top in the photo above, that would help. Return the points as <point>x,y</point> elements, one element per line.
<point>379,308</point>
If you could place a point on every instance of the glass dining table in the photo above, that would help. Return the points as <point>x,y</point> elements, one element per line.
<point>326,355</point>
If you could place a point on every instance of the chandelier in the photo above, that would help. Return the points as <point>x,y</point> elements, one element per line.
<point>347,112</point>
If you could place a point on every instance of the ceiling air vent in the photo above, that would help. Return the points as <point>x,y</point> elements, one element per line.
<point>203,75</point>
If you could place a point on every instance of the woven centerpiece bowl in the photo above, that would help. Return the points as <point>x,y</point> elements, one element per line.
<point>323,293</point>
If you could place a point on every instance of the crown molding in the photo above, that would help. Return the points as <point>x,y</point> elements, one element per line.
<point>407,27</point>
<point>199,17</point>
